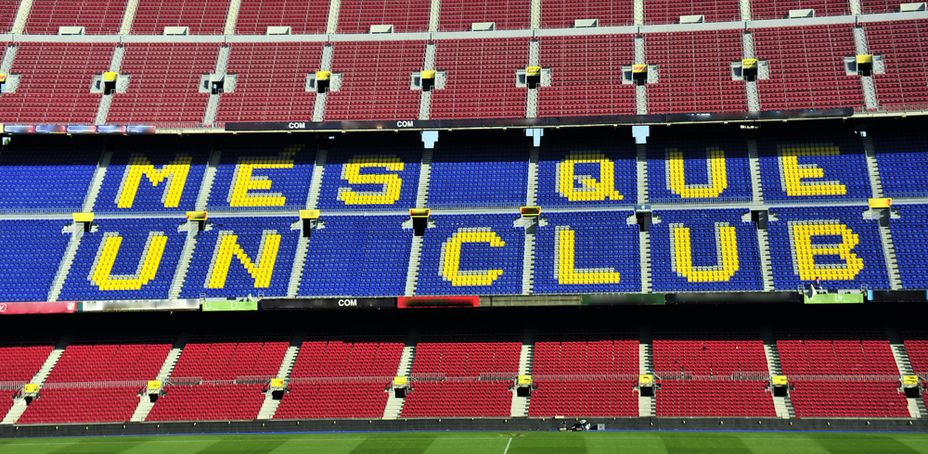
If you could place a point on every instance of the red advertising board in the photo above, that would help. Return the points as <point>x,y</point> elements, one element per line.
<point>405,302</point>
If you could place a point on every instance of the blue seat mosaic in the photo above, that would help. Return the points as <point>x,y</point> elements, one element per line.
<point>910,240</point>
<point>472,255</point>
<point>704,251</point>
<point>262,179</point>
<point>238,257</point>
<point>28,267</point>
<point>357,256</point>
<point>835,245</point>
<point>125,259</point>
<point>587,252</point>
<point>831,167</point>
<point>698,169</point>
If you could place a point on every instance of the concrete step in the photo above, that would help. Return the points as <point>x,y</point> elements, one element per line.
<point>412,272</point>
<point>77,232</point>
<point>128,17</point>
<point>645,406</point>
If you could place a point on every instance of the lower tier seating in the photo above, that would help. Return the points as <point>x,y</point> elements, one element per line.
<point>709,398</point>
<point>334,400</point>
<point>208,403</point>
<point>571,398</point>
<point>80,405</point>
<point>461,399</point>
<point>916,345</point>
<point>6,400</point>
<point>848,399</point>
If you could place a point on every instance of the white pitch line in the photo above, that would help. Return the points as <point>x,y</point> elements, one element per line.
<point>506,451</point>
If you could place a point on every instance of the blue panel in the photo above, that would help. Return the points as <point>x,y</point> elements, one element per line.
<point>30,252</point>
<point>903,162</point>
<point>291,183</point>
<point>705,252</point>
<point>468,174</point>
<point>624,175</point>
<point>357,256</point>
<point>910,238</point>
<point>695,168</point>
<point>135,234</point>
<point>473,256</point>
<point>849,167</point>
<point>334,179</point>
<point>239,282</point>
<point>603,240</point>
<point>149,197</point>
<point>45,178</point>
<point>869,249</point>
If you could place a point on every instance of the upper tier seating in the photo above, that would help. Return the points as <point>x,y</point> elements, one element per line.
<point>360,177</point>
<point>904,48</point>
<point>586,253</point>
<point>283,169</point>
<point>341,379</point>
<point>355,256</point>
<point>357,16</point>
<point>384,93</point>
<point>202,18</point>
<point>458,15</point>
<point>880,6</point>
<point>903,163</point>
<point>126,259</point>
<point>910,241</point>
<point>669,11</point>
<point>99,17</point>
<point>163,83</point>
<point>694,72</point>
<point>73,392</point>
<point>563,13</point>
<point>250,256</point>
<point>584,375</point>
<point>817,366</point>
<point>462,378</point>
<point>45,176</point>
<point>151,177</point>
<point>7,15</point>
<point>471,255</point>
<point>802,248</point>
<point>795,83</point>
<point>249,364</point>
<point>683,169</point>
<point>705,250</point>
<point>466,176</point>
<point>481,76</point>
<point>303,18</point>
<point>28,271</point>
<point>584,170</point>
<point>271,82</point>
<point>586,76</point>
<point>779,9</point>
<point>54,82</point>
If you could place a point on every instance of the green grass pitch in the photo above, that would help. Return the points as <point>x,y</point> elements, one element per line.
<point>484,442</point>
